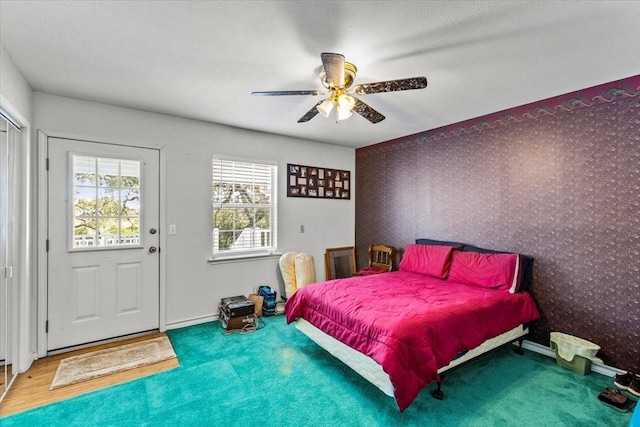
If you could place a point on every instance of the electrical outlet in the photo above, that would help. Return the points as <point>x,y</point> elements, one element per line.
<point>302,228</point>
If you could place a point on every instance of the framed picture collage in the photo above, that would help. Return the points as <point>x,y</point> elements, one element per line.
<point>318,182</point>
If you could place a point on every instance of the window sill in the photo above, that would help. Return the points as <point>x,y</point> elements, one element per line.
<point>242,258</point>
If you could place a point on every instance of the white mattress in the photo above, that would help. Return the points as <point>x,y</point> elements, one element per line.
<point>372,371</point>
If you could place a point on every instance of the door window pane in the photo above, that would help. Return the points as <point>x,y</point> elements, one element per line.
<point>106,202</point>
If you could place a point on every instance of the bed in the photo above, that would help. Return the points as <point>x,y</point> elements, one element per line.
<point>401,330</point>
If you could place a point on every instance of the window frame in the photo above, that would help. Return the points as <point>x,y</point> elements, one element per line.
<point>217,163</point>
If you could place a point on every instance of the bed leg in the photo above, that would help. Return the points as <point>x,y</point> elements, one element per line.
<point>519,350</point>
<point>437,393</point>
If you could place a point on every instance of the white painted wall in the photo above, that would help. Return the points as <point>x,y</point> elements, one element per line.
<point>194,287</point>
<point>13,87</point>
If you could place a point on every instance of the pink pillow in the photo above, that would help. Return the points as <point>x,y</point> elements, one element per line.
<point>492,271</point>
<point>427,259</point>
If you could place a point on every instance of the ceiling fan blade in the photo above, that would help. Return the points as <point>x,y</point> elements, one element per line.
<point>288,92</point>
<point>367,112</point>
<point>391,86</point>
<point>333,64</point>
<point>310,114</point>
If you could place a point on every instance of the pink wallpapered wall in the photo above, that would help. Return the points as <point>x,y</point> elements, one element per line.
<point>558,180</point>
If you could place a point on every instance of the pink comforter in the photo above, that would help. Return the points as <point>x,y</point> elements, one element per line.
<point>411,324</point>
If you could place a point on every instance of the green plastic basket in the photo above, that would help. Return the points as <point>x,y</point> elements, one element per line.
<point>578,364</point>
<point>573,353</point>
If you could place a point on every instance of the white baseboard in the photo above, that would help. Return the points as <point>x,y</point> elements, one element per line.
<point>600,368</point>
<point>191,322</point>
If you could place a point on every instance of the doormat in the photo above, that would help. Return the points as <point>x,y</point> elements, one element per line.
<point>99,363</point>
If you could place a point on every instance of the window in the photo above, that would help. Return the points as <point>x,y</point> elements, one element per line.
<point>244,207</point>
<point>106,202</point>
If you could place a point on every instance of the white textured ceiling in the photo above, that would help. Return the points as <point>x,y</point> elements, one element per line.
<point>202,59</point>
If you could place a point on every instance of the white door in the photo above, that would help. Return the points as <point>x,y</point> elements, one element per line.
<point>103,266</point>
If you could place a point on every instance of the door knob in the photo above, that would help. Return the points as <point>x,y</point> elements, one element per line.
<point>153,250</point>
<point>152,231</point>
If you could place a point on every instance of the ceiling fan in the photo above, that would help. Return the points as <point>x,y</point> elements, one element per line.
<point>336,76</point>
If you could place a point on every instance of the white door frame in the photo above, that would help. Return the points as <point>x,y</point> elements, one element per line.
<point>43,230</point>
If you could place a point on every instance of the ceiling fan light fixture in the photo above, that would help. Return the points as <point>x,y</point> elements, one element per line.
<point>325,107</point>
<point>343,114</point>
<point>344,105</point>
<point>337,75</point>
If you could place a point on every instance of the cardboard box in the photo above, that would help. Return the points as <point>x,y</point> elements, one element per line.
<point>237,323</point>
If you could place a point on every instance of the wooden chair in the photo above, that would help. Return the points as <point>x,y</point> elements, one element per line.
<point>381,260</point>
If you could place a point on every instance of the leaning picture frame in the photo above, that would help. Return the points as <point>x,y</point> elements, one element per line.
<point>340,262</point>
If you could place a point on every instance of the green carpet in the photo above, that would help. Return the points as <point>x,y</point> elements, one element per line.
<point>277,376</point>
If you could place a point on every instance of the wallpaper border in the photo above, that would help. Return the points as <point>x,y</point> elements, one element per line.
<point>585,98</point>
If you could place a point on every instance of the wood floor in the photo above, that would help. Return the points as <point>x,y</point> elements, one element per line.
<point>31,389</point>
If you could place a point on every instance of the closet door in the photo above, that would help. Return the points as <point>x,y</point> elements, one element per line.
<point>4,186</point>
<point>8,138</point>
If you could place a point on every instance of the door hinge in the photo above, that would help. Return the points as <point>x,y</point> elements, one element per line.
<point>46,327</point>
<point>46,163</point>
<point>47,245</point>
